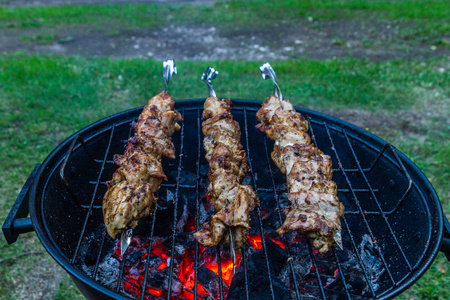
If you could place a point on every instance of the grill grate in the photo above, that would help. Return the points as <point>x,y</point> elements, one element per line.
<point>356,181</point>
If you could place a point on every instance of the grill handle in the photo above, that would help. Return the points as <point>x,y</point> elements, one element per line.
<point>17,221</point>
<point>445,245</point>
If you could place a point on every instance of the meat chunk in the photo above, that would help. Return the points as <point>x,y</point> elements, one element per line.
<point>315,208</point>
<point>130,191</point>
<point>227,168</point>
<point>236,215</point>
<point>126,203</point>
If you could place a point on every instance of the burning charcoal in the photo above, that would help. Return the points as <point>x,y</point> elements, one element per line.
<point>108,272</point>
<point>203,215</point>
<point>165,201</point>
<point>159,279</point>
<point>183,218</point>
<point>257,274</point>
<point>371,261</point>
<point>301,263</point>
<point>190,225</point>
<point>237,288</point>
<point>90,248</point>
<point>180,249</point>
<point>354,274</point>
<point>275,254</point>
<point>210,282</point>
<point>177,286</point>
<point>258,287</point>
<point>134,257</point>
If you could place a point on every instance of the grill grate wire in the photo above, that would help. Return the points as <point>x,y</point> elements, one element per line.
<point>176,197</point>
<point>345,171</point>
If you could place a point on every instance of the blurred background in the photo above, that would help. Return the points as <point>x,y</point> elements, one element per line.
<point>64,64</point>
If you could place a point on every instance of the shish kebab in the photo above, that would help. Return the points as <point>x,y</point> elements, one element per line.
<point>227,168</point>
<point>315,207</point>
<point>130,195</point>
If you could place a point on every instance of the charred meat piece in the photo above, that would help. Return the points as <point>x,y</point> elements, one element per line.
<point>315,208</point>
<point>130,194</point>
<point>236,215</point>
<point>227,168</point>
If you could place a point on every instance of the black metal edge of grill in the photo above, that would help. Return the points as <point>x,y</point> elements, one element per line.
<point>375,142</point>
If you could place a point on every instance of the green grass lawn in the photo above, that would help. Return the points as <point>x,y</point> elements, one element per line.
<point>44,100</point>
<point>429,18</point>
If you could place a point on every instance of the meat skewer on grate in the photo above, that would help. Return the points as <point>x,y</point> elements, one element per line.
<point>315,207</point>
<point>227,168</point>
<point>130,194</point>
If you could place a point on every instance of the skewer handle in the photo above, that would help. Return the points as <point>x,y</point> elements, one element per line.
<point>207,76</point>
<point>169,69</point>
<point>268,72</point>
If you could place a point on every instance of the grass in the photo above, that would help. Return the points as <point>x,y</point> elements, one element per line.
<point>45,99</point>
<point>429,17</point>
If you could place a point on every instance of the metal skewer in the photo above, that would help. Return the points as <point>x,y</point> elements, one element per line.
<point>125,240</point>
<point>169,68</point>
<point>268,72</point>
<point>207,76</point>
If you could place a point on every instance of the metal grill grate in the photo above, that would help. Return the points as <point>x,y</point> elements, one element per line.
<point>368,204</point>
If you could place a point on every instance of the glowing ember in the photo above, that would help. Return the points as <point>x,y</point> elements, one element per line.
<point>137,260</point>
<point>161,251</point>
<point>187,277</point>
<point>154,291</point>
<point>163,265</point>
<point>255,241</point>
<point>190,224</point>
<point>226,268</point>
<point>279,243</point>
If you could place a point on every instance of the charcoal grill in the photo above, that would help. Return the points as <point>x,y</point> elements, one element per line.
<point>393,219</point>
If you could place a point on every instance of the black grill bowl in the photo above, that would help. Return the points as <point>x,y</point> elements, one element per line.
<point>387,199</point>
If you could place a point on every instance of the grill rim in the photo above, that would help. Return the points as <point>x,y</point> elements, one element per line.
<point>54,159</point>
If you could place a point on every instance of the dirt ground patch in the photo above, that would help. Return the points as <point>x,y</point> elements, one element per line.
<point>316,39</point>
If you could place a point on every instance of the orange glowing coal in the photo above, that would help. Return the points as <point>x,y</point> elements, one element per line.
<point>154,291</point>
<point>132,287</point>
<point>255,241</point>
<point>279,243</point>
<point>187,277</point>
<point>163,265</point>
<point>160,250</point>
<point>226,268</point>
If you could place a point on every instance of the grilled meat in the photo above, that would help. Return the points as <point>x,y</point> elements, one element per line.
<point>130,194</point>
<point>315,208</point>
<point>227,168</point>
<point>236,214</point>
